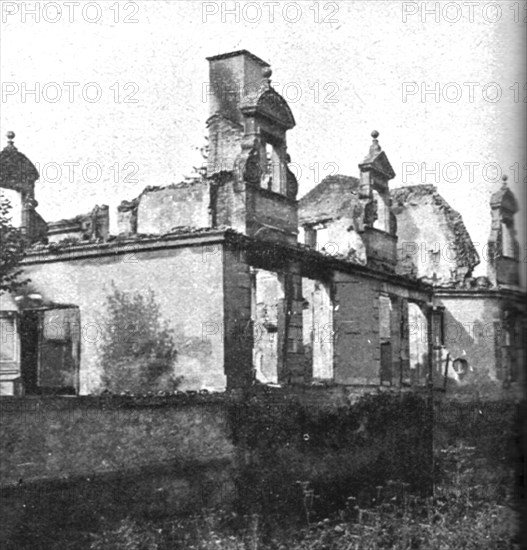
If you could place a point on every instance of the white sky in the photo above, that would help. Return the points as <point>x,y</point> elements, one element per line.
<point>361,60</point>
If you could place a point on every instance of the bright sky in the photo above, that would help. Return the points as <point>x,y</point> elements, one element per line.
<point>345,67</point>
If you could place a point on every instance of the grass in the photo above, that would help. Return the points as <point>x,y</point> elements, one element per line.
<point>431,525</point>
<point>469,511</point>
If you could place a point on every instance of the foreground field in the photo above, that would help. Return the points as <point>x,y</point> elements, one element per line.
<point>472,509</point>
<point>443,526</point>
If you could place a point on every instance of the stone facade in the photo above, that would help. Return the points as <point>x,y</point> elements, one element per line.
<point>231,290</point>
<point>484,336</point>
<point>483,328</point>
<point>352,218</point>
<point>474,328</point>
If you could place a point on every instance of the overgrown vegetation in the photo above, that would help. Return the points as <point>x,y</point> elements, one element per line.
<point>315,476</point>
<point>137,348</point>
<point>458,517</point>
<point>342,450</point>
<point>474,506</point>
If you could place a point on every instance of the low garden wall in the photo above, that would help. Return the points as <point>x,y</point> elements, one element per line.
<point>69,463</point>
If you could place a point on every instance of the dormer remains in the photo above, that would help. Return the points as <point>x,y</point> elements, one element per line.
<point>380,226</point>
<point>503,247</point>
<point>247,138</point>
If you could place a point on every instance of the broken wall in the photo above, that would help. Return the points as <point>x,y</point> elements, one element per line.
<point>182,205</point>
<point>337,237</point>
<point>433,242</point>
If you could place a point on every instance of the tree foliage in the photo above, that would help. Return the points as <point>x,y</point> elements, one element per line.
<point>137,346</point>
<point>12,250</point>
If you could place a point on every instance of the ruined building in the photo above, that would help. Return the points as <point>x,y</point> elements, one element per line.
<point>253,285</point>
<point>479,339</point>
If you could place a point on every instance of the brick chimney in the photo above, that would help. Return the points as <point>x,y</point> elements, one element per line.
<point>232,77</point>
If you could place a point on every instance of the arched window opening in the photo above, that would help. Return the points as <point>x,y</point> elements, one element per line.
<point>273,171</point>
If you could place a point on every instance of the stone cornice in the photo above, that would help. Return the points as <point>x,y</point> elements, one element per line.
<point>494,292</point>
<point>83,251</point>
<point>151,243</point>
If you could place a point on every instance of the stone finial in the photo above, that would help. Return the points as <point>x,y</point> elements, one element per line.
<point>377,161</point>
<point>267,73</point>
<point>504,180</point>
<point>375,147</point>
<point>10,137</point>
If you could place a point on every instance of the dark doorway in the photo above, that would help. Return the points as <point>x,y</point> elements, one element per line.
<point>386,363</point>
<point>29,329</point>
<point>50,350</point>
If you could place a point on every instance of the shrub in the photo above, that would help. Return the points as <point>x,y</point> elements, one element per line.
<point>137,348</point>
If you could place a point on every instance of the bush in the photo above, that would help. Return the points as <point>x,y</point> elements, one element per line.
<point>137,348</point>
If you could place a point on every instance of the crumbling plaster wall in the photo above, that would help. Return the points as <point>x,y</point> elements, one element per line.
<point>472,332</point>
<point>188,289</point>
<point>182,205</point>
<point>338,237</point>
<point>433,242</point>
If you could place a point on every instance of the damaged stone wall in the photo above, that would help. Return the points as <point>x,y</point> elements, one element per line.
<point>162,209</point>
<point>433,243</point>
<point>94,226</point>
<point>476,339</point>
<point>333,214</point>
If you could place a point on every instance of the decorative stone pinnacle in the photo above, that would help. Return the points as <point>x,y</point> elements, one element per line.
<point>10,137</point>
<point>504,179</point>
<point>375,147</point>
<point>266,73</point>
